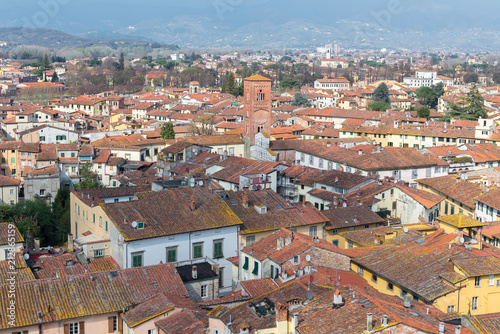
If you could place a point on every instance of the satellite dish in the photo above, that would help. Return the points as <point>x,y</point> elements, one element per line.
<point>405,229</point>
<point>200,183</point>
<point>309,295</point>
<point>26,256</point>
<point>462,240</point>
<point>308,257</point>
<point>134,224</point>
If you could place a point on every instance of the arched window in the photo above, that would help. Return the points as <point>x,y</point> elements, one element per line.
<point>260,96</point>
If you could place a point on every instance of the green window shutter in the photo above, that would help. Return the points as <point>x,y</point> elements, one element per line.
<point>93,218</point>
<point>245,265</point>
<point>137,260</point>
<point>12,160</point>
<point>255,270</point>
<point>218,250</point>
<point>277,274</point>
<point>172,255</point>
<point>106,226</point>
<point>197,251</point>
<point>3,160</point>
<point>272,271</point>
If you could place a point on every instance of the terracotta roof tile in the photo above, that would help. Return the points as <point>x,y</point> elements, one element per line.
<point>89,294</point>
<point>211,212</point>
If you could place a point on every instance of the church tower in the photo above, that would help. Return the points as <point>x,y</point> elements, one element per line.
<point>257,100</point>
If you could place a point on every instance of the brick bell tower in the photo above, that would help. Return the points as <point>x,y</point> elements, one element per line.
<point>257,100</point>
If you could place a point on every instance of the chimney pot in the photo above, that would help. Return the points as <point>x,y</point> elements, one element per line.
<point>37,245</point>
<point>70,243</point>
<point>407,301</point>
<point>194,272</point>
<point>458,329</point>
<point>192,205</point>
<point>441,327</point>
<point>244,199</point>
<point>369,322</point>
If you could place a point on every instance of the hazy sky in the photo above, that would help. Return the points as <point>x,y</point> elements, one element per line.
<point>407,23</point>
<point>81,16</point>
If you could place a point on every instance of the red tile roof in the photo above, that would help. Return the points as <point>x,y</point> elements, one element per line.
<point>211,212</point>
<point>89,294</point>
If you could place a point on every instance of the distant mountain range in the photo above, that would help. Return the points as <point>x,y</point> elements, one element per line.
<point>56,39</point>
<point>423,24</point>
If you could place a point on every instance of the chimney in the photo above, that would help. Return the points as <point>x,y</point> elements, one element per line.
<point>70,242</point>
<point>407,302</point>
<point>192,204</point>
<point>37,245</point>
<point>449,267</point>
<point>369,322</point>
<point>194,272</point>
<point>441,327</point>
<point>360,152</point>
<point>384,320</point>
<point>338,301</point>
<point>279,243</point>
<point>288,241</point>
<point>281,312</point>
<point>215,268</point>
<point>458,329</point>
<point>295,322</point>
<point>244,199</point>
<point>479,237</point>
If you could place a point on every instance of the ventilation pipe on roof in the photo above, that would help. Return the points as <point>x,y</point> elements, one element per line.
<point>407,301</point>
<point>70,242</point>
<point>369,322</point>
<point>37,245</point>
<point>194,272</point>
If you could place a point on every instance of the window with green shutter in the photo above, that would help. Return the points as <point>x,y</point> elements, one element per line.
<point>255,270</point>
<point>12,160</point>
<point>277,274</point>
<point>137,259</point>
<point>245,265</point>
<point>197,250</point>
<point>172,254</point>
<point>218,249</point>
<point>272,271</point>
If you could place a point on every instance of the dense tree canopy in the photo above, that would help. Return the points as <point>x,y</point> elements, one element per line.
<point>89,179</point>
<point>423,112</point>
<point>290,83</point>
<point>167,131</point>
<point>471,108</point>
<point>426,96</point>
<point>378,106</point>
<point>381,93</point>
<point>299,100</point>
